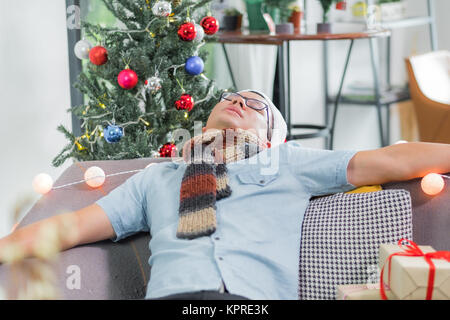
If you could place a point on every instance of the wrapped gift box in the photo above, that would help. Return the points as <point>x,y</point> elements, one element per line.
<point>361,292</point>
<point>409,274</point>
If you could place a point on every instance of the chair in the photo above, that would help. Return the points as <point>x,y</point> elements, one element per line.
<point>429,85</point>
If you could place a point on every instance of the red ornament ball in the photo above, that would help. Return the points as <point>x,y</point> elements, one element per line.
<point>185,102</point>
<point>168,150</point>
<point>210,25</point>
<point>127,79</point>
<point>187,31</point>
<point>98,55</point>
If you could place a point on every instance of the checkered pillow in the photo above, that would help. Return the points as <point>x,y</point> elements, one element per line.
<point>341,235</point>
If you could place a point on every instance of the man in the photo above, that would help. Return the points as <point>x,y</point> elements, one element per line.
<point>222,227</point>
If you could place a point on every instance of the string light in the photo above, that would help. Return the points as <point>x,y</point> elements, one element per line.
<point>79,145</point>
<point>86,110</point>
<point>42,183</point>
<point>433,183</point>
<point>97,130</point>
<point>94,177</point>
<point>145,122</point>
<point>100,101</point>
<point>171,18</point>
<point>208,96</point>
<point>175,67</point>
<point>146,29</point>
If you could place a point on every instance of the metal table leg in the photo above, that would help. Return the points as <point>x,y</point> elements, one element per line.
<point>229,66</point>
<point>388,83</point>
<point>288,86</point>
<point>433,36</point>
<point>388,61</point>
<point>282,83</point>
<point>325,89</point>
<point>388,124</point>
<point>376,81</point>
<point>338,97</point>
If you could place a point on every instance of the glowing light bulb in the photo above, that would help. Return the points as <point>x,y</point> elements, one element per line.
<point>42,183</point>
<point>94,177</point>
<point>432,184</point>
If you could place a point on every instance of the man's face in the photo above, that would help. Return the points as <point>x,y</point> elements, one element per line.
<point>236,114</point>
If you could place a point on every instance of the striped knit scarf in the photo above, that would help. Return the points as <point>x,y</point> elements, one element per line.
<point>205,180</point>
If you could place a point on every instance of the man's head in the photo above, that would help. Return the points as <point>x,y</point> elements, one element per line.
<point>249,110</point>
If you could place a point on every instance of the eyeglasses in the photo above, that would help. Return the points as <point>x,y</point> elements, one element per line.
<point>252,103</point>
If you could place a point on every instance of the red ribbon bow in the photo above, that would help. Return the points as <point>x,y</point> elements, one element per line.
<point>413,250</point>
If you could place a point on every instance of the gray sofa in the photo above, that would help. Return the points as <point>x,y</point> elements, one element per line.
<point>121,271</point>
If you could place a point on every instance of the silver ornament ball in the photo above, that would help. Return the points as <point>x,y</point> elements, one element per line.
<point>162,9</point>
<point>82,49</point>
<point>200,33</point>
<point>153,84</point>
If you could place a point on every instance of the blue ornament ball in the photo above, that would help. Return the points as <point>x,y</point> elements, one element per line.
<point>194,65</point>
<point>112,133</point>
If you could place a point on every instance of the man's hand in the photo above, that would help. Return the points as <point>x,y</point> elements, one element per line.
<point>398,162</point>
<point>89,224</point>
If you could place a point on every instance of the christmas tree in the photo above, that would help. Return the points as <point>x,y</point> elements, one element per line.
<point>142,81</point>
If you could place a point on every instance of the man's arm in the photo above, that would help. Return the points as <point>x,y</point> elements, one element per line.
<point>89,224</point>
<point>398,162</point>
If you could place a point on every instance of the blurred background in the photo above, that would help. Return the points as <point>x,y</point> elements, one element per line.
<point>35,88</point>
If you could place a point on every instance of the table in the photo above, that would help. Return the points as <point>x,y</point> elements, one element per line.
<point>282,41</point>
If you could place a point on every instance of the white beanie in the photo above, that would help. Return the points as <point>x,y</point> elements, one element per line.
<point>279,127</point>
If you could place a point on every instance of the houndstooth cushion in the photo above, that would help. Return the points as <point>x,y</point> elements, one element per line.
<point>341,235</point>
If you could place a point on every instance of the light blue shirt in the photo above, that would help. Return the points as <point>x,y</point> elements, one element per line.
<point>255,248</point>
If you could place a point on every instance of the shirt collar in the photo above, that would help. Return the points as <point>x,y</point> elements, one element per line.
<point>175,163</point>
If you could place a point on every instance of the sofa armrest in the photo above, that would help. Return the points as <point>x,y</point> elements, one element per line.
<point>430,214</point>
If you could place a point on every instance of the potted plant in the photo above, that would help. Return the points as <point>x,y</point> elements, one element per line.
<point>296,17</point>
<point>232,19</point>
<point>280,12</point>
<point>325,26</point>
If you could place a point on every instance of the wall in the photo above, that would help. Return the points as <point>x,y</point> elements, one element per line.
<point>34,96</point>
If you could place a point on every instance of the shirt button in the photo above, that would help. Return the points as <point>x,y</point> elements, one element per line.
<point>261,181</point>
<point>217,238</point>
<point>220,258</point>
